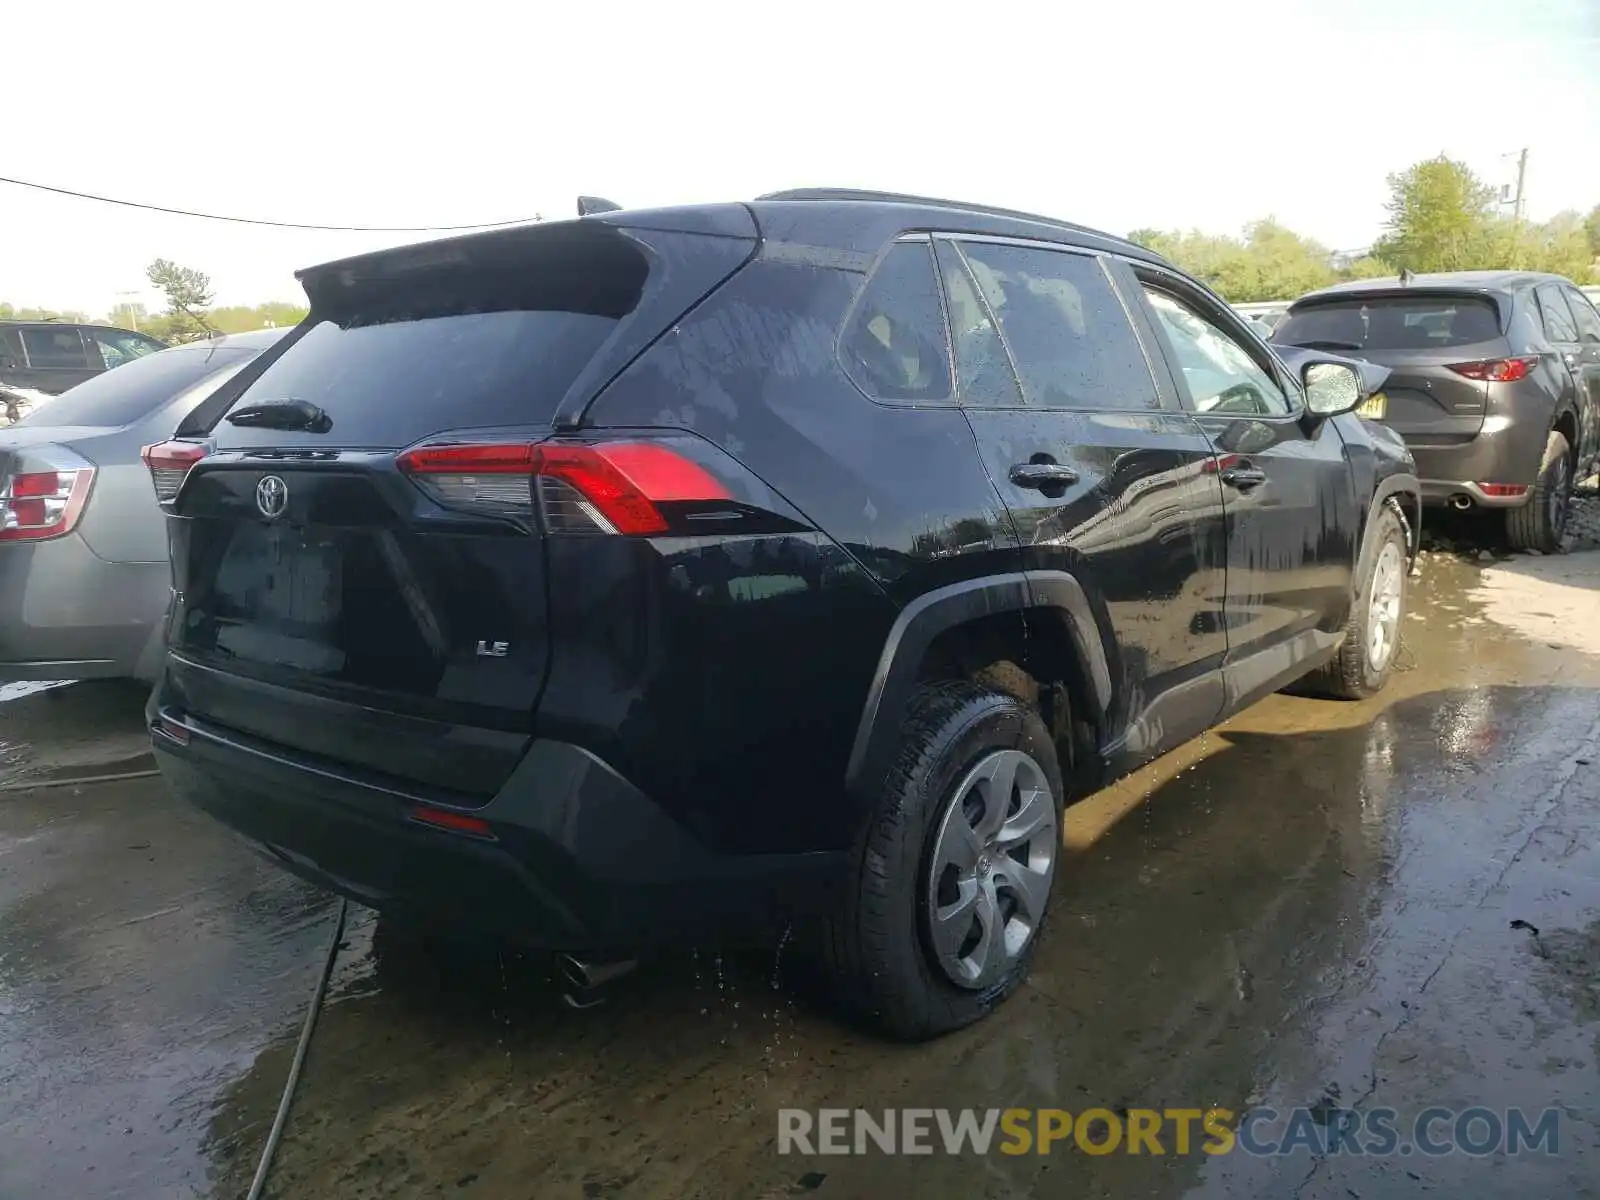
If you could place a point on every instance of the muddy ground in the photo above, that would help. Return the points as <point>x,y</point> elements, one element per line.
<point>1314,904</point>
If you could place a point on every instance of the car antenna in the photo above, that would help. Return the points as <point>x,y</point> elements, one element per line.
<point>588,205</point>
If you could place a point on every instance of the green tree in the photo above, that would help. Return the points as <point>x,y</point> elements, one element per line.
<point>1560,245</point>
<point>10,312</point>
<point>1369,267</point>
<point>272,315</point>
<point>1441,218</point>
<point>188,294</point>
<point>1271,261</point>
<point>1591,226</point>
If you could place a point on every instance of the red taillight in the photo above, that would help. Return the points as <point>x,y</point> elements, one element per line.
<point>1496,370</point>
<point>613,487</point>
<point>42,504</point>
<point>169,463</point>
<point>1503,489</point>
<point>175,730</point>
<point>455,822</point>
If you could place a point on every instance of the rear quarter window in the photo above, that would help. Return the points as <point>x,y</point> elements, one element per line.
<point>894,346</point>
<point>1391,323</point>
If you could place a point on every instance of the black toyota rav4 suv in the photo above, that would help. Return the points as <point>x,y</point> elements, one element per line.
<point>666,575</point>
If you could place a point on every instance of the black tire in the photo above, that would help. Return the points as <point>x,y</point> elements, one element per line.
<point>1541,523</point>
<point>876,947</point>
<point>1351,674</point>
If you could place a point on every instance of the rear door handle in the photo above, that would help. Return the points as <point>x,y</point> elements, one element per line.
<point>1244,478</point>
<point>1040,476</point>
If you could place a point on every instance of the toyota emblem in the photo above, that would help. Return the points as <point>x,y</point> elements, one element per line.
<point>272,496</point>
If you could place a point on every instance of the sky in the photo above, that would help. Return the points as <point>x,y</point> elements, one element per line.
<point>1118,114</point>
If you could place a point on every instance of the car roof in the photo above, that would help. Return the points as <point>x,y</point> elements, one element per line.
<point>47,323</point>
<point>935,213</point>
<point>255,339</point>
<point>1439,281</point>
<point>854,221</point>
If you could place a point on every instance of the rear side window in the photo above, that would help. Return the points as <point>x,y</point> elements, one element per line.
<point>1391,323</point>
<point>894,345</point>
<point>1588,320</point>
<point>132,392</point>
<point>1558,323</point>
<point>1068,334</point>
<point>10,348</point>
<point>983,369</point>
<point>58,348</point>
<point>458,337</point>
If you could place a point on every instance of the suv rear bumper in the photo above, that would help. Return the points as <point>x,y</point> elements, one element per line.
<point>1508,455</point>
<point>580,860</point>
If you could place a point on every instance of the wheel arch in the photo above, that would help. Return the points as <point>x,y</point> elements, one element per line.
<point>1043,618</point>
<point>1401,490</point>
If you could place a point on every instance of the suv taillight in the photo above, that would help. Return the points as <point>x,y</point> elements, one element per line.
<point>37,505</point>
<point>611,487</point>
<point>169,463</point>
<point>1496,370</point>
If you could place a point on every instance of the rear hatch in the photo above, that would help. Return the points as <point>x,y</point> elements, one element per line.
<point>333,603</point>
<point>1433,342</point>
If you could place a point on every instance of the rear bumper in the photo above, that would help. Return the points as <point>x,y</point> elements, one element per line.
<point>580,860</point>
<point>66,613</point>
<point>1510,455</point>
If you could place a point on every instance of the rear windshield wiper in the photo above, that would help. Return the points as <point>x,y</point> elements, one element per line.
<point>282,414</point>
<point>1316,344</point>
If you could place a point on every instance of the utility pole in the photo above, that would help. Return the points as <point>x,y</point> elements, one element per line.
<point>131,306</point>
<point>1522,176</point>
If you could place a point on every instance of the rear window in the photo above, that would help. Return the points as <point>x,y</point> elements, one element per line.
<point>491,339</point>
<point>1391,323</point>
<point>132,392</point>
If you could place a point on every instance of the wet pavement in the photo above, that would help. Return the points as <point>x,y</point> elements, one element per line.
<point>1312,906</point>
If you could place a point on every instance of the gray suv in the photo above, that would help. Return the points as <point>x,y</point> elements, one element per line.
<point>1494,384</point>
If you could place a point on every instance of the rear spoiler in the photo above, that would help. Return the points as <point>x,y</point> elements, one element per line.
<point>1493,296</point>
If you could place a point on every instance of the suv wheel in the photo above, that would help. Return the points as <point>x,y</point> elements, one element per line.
<point>943,913</point>
<point>1372,635</point>
<point>1541,523</point>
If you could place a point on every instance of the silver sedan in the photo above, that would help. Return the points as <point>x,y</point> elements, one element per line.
<point>83,545</point>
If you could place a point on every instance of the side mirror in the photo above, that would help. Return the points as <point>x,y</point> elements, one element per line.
<point>1332,388</point>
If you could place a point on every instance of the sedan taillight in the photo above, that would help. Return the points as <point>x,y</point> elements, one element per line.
<point>169,464</point>
<point>37,505</point>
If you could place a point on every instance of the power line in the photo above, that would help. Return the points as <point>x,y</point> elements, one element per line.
<point>181,212</point>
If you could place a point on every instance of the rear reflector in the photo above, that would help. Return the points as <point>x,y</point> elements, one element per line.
<point>613,487</point>
<point>1496,370</point>
<point>169,463</point>
<point>1503,489</point>
<point>455,822</point>
<point>42,504</point>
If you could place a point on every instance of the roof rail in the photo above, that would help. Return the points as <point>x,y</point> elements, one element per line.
<point>864,194</point>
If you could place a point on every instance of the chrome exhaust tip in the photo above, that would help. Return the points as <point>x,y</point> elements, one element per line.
<point>1461,502</point>
<point>584,978</point>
